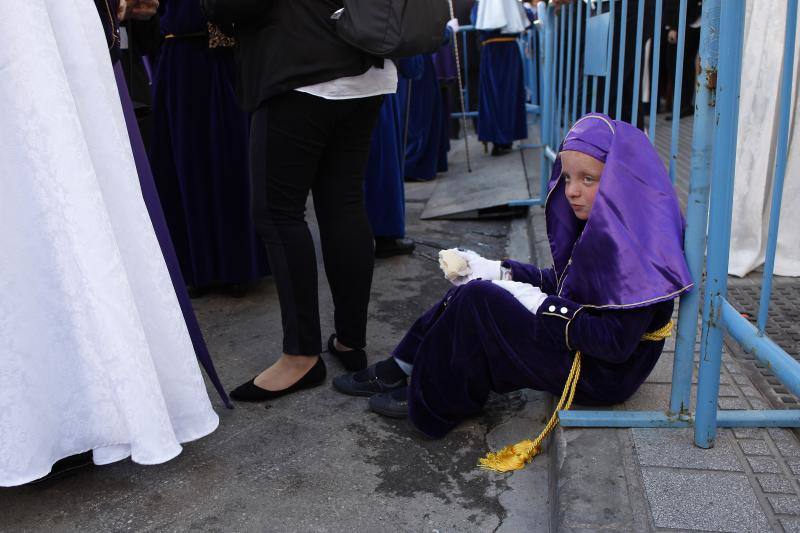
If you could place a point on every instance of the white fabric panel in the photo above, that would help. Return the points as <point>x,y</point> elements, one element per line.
<point>95,352</point>
<point>755,160</point>
<point>508,16</point>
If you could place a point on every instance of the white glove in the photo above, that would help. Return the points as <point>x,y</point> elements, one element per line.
<point>453,25</point>
<point>528,295</point>
<point>461,266</point>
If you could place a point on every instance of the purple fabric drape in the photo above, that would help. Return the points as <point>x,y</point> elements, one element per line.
<point>162,233</point>
<point>630,252</point>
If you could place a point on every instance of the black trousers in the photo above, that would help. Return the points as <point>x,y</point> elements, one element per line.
<point>299,144</point>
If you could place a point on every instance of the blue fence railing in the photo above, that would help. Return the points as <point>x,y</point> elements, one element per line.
<point>575,79</point>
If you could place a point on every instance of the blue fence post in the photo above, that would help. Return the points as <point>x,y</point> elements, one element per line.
<point>560,86</point>
<point>569,70</point>
<point>594,78</point>
<point>697,209</point>
<point>623,25</point>
<point>637,67</point>
<point>787,76</point>
<point>546,18</point>
<point>719,231</point>
<point>656,55</point>
<point>553,43</point>
<point>578,41</point>
<point>530,59</point>
<point>676,99</point>
<point>609,59</point>
<point>584,94</point>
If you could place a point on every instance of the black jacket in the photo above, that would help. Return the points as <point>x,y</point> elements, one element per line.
<point>285,44</point>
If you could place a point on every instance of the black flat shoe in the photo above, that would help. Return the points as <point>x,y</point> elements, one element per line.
<point>353,361</point>
<point>501,149</point>
<point>250,392</point>
<point>390,247</point>
<point>348,384</point>
<point>237,290</point>
<point>392,404</point>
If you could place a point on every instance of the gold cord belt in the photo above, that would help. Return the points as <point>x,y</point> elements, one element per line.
<point>195,35</point>
<point>216,38</point>
<point>499,40</point>
<point>516,456</point>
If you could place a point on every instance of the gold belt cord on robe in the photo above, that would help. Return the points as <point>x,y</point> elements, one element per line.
<point>499,40</point>
<point>216,37</point>
<point>516,456</point>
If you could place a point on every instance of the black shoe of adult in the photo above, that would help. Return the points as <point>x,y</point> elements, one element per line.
<point>250,392</point>
<point>392,404</point>
<point>390,247</point>
<point>366,383</point>
<point>353,360</point>
<point>67,466</point>
<point>501,149</point>
<point>237,290</point>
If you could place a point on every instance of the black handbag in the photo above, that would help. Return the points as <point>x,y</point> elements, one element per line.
<point>393,28</point>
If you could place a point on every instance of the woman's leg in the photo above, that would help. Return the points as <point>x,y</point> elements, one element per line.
<point>289,134</point>
<point>347,242</point>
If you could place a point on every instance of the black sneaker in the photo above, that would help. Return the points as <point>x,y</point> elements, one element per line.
<point>366,383</point>
<point>392,404</point>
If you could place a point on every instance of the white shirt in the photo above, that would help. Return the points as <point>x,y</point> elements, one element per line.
<point>373,82</point>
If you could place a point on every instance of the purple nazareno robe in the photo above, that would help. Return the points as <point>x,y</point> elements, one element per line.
<point>107,10</point>
<point>162,233</point>
<point>614,278</point>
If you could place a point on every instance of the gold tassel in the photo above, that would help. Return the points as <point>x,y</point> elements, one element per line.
<point>516,456</point>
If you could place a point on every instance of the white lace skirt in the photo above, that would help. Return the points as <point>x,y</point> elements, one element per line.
<point>94,352</point>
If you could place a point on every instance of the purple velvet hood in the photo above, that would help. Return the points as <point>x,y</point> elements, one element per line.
<point>630,252</point>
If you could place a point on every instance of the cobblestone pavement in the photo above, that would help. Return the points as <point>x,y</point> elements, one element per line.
<point>783,327</point>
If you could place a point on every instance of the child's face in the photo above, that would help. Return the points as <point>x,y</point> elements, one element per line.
<point>581,175</point>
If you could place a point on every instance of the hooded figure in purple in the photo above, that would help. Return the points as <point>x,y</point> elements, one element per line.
<point>616,236</point>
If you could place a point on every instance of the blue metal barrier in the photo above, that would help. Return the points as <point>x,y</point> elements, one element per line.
<point>565,89</point>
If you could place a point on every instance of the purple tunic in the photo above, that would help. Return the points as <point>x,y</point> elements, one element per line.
<point>199,154</point>
<point>479,338</point>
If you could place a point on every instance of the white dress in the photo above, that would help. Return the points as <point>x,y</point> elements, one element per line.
<point>759,109</point>
<point>94,352</point>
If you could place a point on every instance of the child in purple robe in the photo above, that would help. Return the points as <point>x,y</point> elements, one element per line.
<point>616,236</point>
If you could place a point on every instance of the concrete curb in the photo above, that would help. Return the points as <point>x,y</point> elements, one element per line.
<point>540,256</point>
